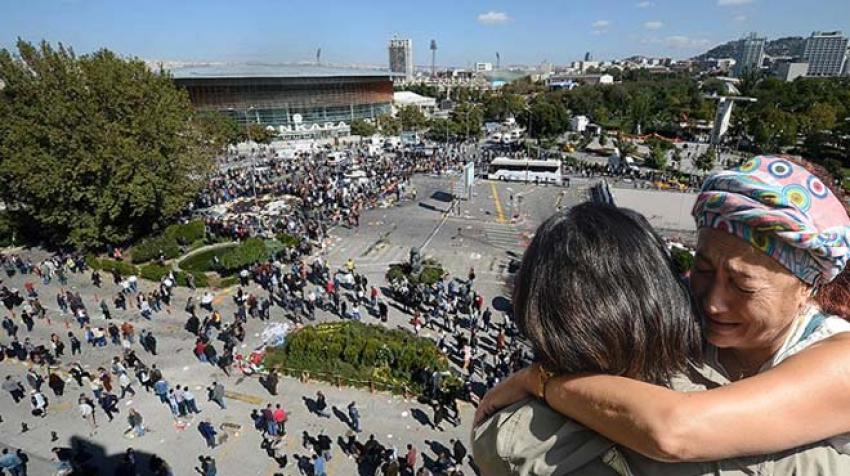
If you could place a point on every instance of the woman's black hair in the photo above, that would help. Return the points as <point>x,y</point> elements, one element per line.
<point>596,292</point>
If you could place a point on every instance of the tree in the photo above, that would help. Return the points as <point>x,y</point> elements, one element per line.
<point>441,130</point>
<point>258,133</point>
<point>411,118</point>
<point>468,118</point>
<point>220,130</point>
<point>834,168</point>
<point>705,162</point>
<point>549,117</point>
<point>499,105</point>
<point>94,149</point>
<point>389,125</point>
<point>359,127</point>
<point>657,158</point>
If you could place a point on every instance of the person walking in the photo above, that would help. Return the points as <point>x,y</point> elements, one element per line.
<point>39,403</point>
<point>108,403</point>
<point>354,416</point>
<point>86,407</point>
<point>126,385</point>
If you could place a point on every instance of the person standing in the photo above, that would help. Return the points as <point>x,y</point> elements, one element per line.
<point>268,418</point>
<point>217,394</point>
<point>189,400</point>
<point>12,463</point>
<point>280,419</point>
<point>55,382</point>
<point>136,422</point>
<point>271,382</point>
<point>208,466</point>
<point>322,405</point>
<point>76,346</point>
<point>458,451</point>
<point>150,343</point>
<point>14,387</point>
<point>319,466</point>
<point>410,458</point>
<point>208,432</point>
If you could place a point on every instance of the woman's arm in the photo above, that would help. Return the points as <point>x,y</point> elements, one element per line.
<point>803,400</point>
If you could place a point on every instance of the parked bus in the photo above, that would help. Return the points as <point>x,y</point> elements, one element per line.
<point>525,170</point>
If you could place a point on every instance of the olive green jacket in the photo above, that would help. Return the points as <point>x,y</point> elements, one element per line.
<point>529,438</point>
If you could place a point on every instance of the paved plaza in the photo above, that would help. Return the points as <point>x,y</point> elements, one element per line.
<point>488,231</point>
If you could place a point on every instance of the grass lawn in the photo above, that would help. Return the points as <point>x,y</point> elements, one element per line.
<point>202,262</point>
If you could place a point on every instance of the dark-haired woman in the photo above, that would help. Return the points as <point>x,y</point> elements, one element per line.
<point>770,286</point>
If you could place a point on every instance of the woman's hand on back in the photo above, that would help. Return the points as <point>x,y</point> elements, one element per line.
<point>516,387</point>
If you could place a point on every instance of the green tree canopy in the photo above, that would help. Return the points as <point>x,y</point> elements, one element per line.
<point>468,117</point>
<point>219,129</point>
<point>94,149</point>
<point>259,133</point>
<point>705,162</point>
<point>411,118</point>
<point>359,127</point>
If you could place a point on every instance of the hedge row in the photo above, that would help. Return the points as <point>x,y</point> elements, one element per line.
<point>169,242</point>
<point>288,240</point>
<point>358,353</point>
<point>250,251</point>
<point>106,264</point>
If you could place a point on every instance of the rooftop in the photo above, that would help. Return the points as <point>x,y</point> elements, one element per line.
<point>261,70</point>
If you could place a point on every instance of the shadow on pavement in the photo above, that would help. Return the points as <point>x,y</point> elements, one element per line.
<point>90,459</point>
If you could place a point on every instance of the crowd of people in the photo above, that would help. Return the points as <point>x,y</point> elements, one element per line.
<point>118,325</point>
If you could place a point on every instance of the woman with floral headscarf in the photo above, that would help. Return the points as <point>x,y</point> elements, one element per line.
<point>770,285</point>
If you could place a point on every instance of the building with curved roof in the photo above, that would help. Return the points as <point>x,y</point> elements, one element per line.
<point>298,101</point>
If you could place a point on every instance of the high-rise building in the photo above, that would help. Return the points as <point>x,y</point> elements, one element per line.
<point>826,53</point>
<point>750,54</point>
<point>401,57</point>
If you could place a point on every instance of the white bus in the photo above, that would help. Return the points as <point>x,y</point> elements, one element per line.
<point>525,170</point>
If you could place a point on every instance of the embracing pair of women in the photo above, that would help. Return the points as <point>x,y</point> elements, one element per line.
<point>743,369</point>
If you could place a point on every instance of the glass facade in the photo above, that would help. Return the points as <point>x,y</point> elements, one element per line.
<point>279,101</point>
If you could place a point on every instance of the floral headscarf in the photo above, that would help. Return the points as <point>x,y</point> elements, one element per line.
<point>783,210</point>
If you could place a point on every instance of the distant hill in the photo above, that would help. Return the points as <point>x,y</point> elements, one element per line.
<point>788,46</point>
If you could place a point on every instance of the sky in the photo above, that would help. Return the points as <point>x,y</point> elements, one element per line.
<point>356,31</point>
